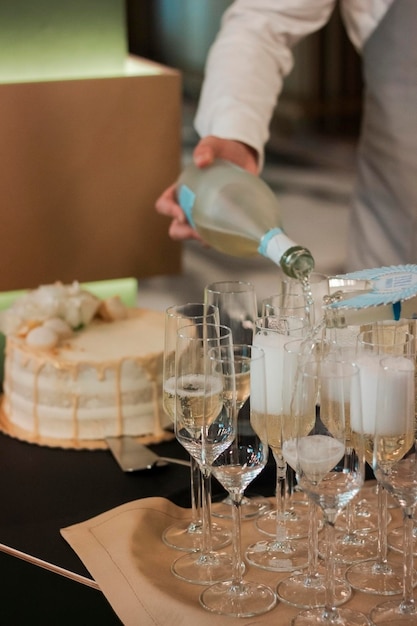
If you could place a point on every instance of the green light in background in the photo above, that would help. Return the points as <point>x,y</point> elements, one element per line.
<point>56,39</point>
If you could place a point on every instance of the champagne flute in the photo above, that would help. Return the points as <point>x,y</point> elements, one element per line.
<point>396,535</point>
<point>238,309</point>
<point>237,305</point>
<point>305,589</point>
<point>281,553</point>
<point>379,575</point>
<point>235,468</point>
<point>395,467</point>
<point>356,539</point>
<point>330,463</point>
<point>318,289</point>
<point>204,428</point>
<point>186,535</point>
<point>292,300</point>
<point>283,320</point>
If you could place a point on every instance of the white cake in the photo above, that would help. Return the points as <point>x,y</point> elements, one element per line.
<point>84,385</point>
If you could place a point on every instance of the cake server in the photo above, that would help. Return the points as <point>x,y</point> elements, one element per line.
<point>134,456</point>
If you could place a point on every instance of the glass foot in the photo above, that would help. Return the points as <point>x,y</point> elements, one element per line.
<point>278,556</point>
<point>394,612</point>
<point>352,548</point>
<point>365,516</point>
<point>372,577</point>
<point>251,507</point>
<point>305,592</point>
<point>186,536</point>
<point>203,569</point>
<point>295,519</point>
<point>243,600</point>
<point>343,617</point>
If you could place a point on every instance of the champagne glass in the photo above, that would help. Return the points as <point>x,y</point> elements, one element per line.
<point>238,309</point>
<point>330,463</point>
<point>395,467</point>
<point>305,589</point>
<point>287,303</point>
<point>355,540</point>
<point>318,288</point>
<point>186,535</point>
<point>292,301</point>
<point>281,553</point>
<point>379,575</point>
<point>276,330</point>
<point>235,468</point>
<point>395,536</point>
<point>204,428</point>
<point>236,302</point>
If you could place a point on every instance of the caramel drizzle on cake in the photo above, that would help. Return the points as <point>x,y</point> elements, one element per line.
<point>36,361</point>
<point>80,369</point>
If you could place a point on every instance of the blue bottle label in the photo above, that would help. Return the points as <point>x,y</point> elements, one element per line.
<point>263,245</point>
<point>186,199</point>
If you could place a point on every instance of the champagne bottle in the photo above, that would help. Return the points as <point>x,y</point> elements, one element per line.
<point>238,214</point>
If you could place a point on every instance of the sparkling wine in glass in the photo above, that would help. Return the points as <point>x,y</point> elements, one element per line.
<point>382,574</point>
<point>205,429</point>
<point>395,467</point>
<point>235,469</point>
<point>305,589</point>
<point>281,552</point>
<point>238,309</point>
<point>186,535</point>
<point>330,464</point>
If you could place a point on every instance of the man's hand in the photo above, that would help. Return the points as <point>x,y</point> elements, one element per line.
<point>207,150</point>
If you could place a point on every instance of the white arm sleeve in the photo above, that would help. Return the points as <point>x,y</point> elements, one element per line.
<point>247,63</point>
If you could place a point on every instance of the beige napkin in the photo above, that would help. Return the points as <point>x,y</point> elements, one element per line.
<point>123,551</point>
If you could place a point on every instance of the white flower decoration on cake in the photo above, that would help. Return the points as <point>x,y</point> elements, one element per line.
<point>50,313</point>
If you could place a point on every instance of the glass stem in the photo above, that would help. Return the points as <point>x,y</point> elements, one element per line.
<point>237,542</point>
<point>280,488</point>
<point>313,537</point>
<point>350,516</point>
<point>330,611</point>
<point>407,604</point>
<point>206,546</point>
<point>382,548</point>
<point>195,480</point>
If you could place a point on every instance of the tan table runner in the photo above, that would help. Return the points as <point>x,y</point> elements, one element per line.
<point>123,551</point>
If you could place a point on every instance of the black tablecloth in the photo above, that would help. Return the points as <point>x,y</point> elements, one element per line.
<point>45,489</point>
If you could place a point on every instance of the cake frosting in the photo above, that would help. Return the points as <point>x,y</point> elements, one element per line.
<point>78,370</point>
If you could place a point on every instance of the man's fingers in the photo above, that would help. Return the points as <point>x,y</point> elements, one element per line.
<point>179,230</point>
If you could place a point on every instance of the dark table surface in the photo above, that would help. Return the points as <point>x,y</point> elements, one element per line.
<point>45,489</point>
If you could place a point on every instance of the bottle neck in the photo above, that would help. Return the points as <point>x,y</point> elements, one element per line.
<point>294,260</point>
<point>297,262</point>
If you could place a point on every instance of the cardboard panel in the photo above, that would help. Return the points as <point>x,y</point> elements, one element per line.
<point>82,163</point>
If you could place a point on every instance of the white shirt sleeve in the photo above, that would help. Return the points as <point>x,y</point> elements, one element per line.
<point>247,63</point>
